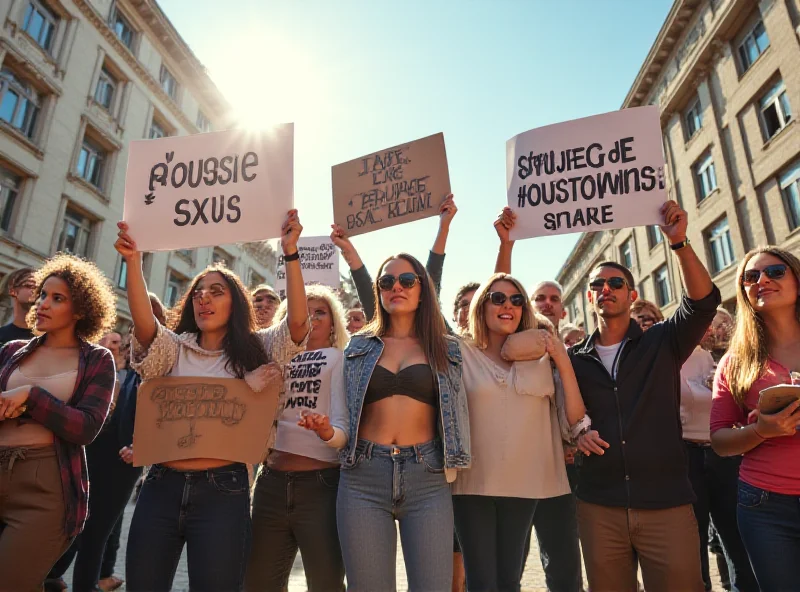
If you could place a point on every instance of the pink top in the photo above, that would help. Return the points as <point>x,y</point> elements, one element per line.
<point>774,464</point>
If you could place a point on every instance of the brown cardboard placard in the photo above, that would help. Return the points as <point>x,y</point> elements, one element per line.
<point>392,186</point>
<point>202,417</point>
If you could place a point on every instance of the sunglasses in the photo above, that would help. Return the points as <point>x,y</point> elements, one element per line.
<point>498,299</point>
<point>773,272</point>
<point>615,283</point>
<point>407,281</point>
<point>646,320</point>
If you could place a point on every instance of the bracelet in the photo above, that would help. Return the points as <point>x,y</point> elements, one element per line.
<point>580,428</point>
<point>293,257</point>
<point>680,245</point>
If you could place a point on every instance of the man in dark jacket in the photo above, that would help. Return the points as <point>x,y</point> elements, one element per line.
<point>635,499</point>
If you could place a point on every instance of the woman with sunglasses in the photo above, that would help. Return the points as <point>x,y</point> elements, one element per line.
<point>404,431</point>
<point>764,352</point>
<point>294,504</point>
<point>203,503</point>
<point>516,435</point>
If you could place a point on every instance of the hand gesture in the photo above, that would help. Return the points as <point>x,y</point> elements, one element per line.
<point>125,245</point>
<point>447,211</point>
<point>340,238</point>
<point>290,232</point>
<point>675,222</point>
<point>504,223</point>
<point>556,349</point>
<point>12,402</point>
<point>315,422</point>
<point>775,425</point>
<point>126,454</point>
<point>591,443</point>
<point>263,376</point>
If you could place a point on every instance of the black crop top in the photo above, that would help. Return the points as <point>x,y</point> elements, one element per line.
<point>415,381</point>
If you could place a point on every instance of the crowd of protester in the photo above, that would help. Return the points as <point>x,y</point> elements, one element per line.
<point>635,450</point>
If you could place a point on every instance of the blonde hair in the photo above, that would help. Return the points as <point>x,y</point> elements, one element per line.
<point>339,335</point>
<point>748,349</point>
<point>478,331</point>
<point>640,305</point>
<point>566,329</point>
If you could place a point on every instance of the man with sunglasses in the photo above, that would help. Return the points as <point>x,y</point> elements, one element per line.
<point>20,289</point>
<point>634,495</point>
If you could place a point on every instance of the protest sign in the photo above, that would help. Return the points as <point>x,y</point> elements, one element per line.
<point>209,189</point>
<point>596,173</point>
<point>393,186</point>
<point>202,417</point>
<point>319,259</point>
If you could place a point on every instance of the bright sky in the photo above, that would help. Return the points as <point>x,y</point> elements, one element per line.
<point>359,76</point>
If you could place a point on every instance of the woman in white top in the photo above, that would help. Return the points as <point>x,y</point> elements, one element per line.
<point>294,504</point>
<point>517,448</point>
<point>203,502</point>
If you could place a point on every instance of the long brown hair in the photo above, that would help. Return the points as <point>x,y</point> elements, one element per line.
<point>244,349</point>
<point>748,349</point>
<point>478,331</point>
<point>429,325</point>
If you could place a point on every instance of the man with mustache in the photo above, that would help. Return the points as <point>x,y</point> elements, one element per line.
<point>634,495</point>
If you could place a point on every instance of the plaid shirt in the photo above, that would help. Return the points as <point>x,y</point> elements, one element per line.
<point>74,423</point>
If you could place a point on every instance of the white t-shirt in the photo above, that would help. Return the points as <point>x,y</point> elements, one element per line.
<point>608,354</point>
<point>314,381</point>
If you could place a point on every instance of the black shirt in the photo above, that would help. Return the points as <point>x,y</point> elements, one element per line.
<point>11,332</point>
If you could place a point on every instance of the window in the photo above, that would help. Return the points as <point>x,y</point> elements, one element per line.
<point>654,236</point>
<point>176,285</point>
<point>626,253</point>
<point>187,254</point>
<point>168,83</point>
<point>775,110</point>
<point>19,103</point>
<point>123,29</point>
<point>706,176</point>
<point>663,291</point>
<point>91,163</point>
<point>9,190</point>
<point>40,23</point>
<point>157,131</point>
<point>75,232</point>
<point>203,124</point>
<point>720,247</point>
<point>790,189</point>
<point>693,119</point>
<point>122,276</point>
<point>106,87</point>
<point>573,310</point>
<point>222,257</point>
<point>753,45</point>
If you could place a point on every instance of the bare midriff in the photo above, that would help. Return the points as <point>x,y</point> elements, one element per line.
<point>286,461</point>
<point>398,420</point>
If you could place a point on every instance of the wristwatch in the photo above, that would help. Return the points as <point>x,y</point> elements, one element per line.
<point>680,245</point>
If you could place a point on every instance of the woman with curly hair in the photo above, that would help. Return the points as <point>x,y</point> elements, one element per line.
<point>302,470</point>
<point>204,503</point>
<point>56,391</point>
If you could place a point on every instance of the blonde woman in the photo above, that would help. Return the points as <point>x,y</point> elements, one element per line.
<point>516,436</point>
<point>645,313</point>
<point>764,352</point>
<point>294,505</point>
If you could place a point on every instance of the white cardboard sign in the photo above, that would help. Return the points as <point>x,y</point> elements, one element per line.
<point>319,259</point>
<point>584,175</point>
<point>209,189</point>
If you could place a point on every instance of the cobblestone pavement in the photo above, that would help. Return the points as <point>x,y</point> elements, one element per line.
<point>532,578</point>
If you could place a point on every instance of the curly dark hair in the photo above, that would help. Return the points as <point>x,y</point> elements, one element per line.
<point>244,348</point>
<point>93,298</point>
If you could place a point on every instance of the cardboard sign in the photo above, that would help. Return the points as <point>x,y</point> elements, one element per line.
<point>202,417</point>
<point>589,174</point>
<point>319,259</point>
<point>209,189</point>
<point>394,186</point>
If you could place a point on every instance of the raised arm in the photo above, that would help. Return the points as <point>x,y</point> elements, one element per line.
<point>297,305</point>
<point>503,225</point>
<point>447,212</point>
<point>358,271</point>
<point>144,322</point>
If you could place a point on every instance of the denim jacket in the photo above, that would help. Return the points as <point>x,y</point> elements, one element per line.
<point>361,357</point>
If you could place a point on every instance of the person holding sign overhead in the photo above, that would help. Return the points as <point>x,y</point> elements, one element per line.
<point>764,352</point>
<point>203,502</point>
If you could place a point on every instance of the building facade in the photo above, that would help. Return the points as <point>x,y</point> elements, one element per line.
<point>726,77</point>
<point>80,79</point>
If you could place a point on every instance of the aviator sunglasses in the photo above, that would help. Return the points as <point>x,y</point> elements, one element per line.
<point>615,283</point>
<point>498,299</point>
<point>773,272</point>
<point>407,281</point>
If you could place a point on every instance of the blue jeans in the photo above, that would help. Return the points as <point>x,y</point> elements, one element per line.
<point>209,511</point>
<point>403,483</point>
<point>770,527</point>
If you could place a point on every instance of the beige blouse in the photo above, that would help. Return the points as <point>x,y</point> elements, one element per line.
<point>516,437</point>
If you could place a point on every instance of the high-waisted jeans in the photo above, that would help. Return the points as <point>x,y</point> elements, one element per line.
<point>404,484</point>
